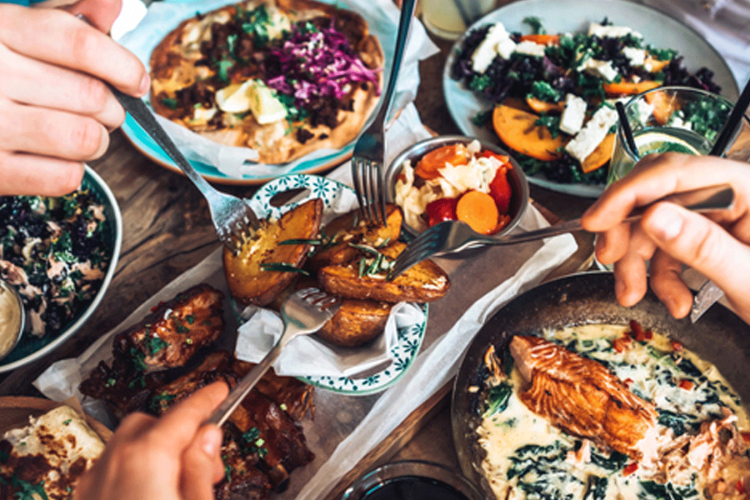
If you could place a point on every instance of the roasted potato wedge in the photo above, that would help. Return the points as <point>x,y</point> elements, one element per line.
<point>424,282</point>
<point>356,322</point>
<point>348,229</point>
<point>248,282</point>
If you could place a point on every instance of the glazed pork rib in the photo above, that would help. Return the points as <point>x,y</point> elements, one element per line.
<point>581,396</point>
<point>176,330</point>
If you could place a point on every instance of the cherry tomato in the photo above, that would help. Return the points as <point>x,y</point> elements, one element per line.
<point>500,190</point>
<point>441,210</point>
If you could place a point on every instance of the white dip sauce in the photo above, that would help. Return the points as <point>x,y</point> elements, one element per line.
<point>10,319</point>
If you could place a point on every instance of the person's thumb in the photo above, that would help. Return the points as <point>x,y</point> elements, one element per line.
<point>99,13</point>
<point>201,464</point>
<point>701,244</point>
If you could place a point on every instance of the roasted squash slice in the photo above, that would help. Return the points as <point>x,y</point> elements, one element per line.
<point>518,130</point>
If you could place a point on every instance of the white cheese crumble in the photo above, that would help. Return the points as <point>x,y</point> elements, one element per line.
<point>497,41</point>
<point>592,134</point>
<point>530,48</point>
<point>573,115</point>
<point>603,69</point>
<point>596,29</point>
<point>636,56</point>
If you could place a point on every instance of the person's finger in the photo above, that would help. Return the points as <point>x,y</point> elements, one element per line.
<point>49,132</point>
<point>700,243</point>
<point>100,13</point>
<point>630,270</point>
<point>611,245</point>
<point>666,282</point>
<point>201,464</point>
<point>24,174</point>
<point>73,91</point>
<point>179,424</point>
<point>57,37</point>
<point>656,176</point>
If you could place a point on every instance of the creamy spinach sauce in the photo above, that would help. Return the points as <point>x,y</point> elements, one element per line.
<point>527,457</point>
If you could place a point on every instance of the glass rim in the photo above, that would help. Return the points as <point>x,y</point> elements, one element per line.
<point>674,88</point>
<point>414,468</point>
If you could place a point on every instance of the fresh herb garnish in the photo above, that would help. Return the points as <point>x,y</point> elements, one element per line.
<point>169,102</point>
<point>301,241</point>
<point>281,267</point>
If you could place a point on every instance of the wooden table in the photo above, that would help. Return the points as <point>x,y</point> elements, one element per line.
<point>167,230</point>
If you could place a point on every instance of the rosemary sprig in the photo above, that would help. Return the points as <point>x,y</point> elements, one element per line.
<point>281,267</point>
<point>385,243</point>
<point>365,248</point>
<point>362,265</point>
<point>301,241</point>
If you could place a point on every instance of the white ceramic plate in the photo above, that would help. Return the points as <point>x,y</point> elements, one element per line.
<point>657,29</point>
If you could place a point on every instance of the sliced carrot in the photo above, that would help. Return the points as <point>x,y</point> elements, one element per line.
<point>542,39</point>
<point>664,105</point>
<point>478,210</point>
<point>629,88</point>
<point>655,65</point>
<point>540,106</point>
<point>599,156</point>
<point>455,154</point>
<point>518,129</point>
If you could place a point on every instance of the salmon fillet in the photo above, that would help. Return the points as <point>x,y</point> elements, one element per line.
<point>581,396</point>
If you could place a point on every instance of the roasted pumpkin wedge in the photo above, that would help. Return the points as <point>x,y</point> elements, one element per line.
<point>518,129</point>
<point>264,266</point>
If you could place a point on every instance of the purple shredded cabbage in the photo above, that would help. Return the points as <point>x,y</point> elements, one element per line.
<point>316,64</point>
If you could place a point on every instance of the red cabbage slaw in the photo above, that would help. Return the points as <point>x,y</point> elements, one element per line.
<point>318,63</point>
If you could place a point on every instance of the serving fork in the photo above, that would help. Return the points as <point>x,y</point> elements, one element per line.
<point>304,312</point>
<point>369,151</point>
<point>232,217</point>
<point>453,236</point>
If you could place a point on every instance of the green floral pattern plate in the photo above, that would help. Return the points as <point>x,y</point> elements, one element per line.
<point>334,195</point>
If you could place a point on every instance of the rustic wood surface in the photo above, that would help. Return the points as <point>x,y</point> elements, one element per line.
<point>167,230</point>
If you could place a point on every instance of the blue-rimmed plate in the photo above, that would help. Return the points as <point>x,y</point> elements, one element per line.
<point>165,16</point>
<point>657,28</point>
<point>334,194</point>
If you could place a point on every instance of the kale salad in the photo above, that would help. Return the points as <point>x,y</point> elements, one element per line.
<point>554,94</point>
<point>54,251</point>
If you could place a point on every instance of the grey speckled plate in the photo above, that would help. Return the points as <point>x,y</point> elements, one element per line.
<point>561,16</point>
<point>720,337</point>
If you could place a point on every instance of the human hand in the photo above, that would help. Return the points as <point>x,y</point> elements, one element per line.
<point>174,457</point>
<point>717,245</point>
<point>55,110</point>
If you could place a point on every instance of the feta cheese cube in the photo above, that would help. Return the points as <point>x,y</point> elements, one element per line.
<point>636,56</point>
<point>592,134</point>
<point>497,39</point>
<point>530,48</point>
<point>596,29</point>
<point>603,69</point>
<point>573,115</point>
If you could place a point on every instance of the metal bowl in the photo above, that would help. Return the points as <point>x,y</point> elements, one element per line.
<point>516,177</point>
<point>31,349</point>
<point>720,337</point>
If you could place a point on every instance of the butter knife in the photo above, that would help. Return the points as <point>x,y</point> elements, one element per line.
<point>708,294</point>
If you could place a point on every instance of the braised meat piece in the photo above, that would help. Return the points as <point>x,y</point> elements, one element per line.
<point>242,479</point>
<point>214,367</point>
<point>175,331</point>
<point>293,396</point>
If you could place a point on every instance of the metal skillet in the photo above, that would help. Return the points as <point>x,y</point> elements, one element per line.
<point>721,338</point>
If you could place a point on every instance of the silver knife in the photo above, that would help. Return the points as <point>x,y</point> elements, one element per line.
<point>707,296</point>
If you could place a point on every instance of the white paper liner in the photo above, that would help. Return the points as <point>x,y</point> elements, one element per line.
<point>382,16</point>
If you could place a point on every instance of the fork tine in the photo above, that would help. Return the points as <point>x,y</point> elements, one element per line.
<point>378,192</point>
<point>369,191</point>
<point>327,302</point>
<point>358,187</point>
<point>409,259</point>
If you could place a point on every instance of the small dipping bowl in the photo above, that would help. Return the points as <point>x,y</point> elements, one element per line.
<point>412,480</point>
<point>12,318</point>
<point>516,177</point>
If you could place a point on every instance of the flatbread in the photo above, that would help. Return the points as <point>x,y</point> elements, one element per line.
<point>186,77</point>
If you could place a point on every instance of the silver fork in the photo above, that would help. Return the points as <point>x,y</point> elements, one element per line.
<point>305,312</point>
<point>369,151</point>
<point>453,236</point>
<point>231,216</point>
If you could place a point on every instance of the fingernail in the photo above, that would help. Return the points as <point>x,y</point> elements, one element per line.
<point>211,441</point>
<point>145,84</point>
<point>666,224</point>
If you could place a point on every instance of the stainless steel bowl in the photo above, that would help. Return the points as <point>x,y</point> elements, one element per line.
<point>516,177</point>
<point>17,313</point>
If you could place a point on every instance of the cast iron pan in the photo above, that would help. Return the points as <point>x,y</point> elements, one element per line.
<point>719,337</point>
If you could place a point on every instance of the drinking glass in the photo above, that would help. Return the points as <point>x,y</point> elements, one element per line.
<point>412,480</point>
<point>679,119</point>
<point>450,18</point>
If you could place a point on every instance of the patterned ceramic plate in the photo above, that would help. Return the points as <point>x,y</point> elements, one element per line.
<point>335,195</point>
